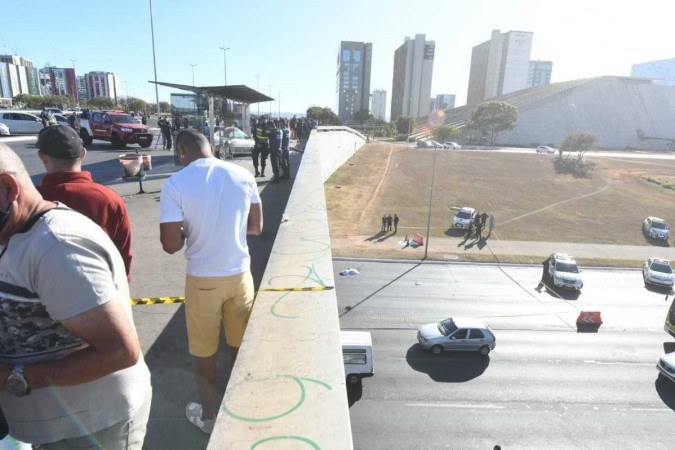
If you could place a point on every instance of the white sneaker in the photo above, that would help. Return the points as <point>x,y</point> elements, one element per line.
<point>193,411</point>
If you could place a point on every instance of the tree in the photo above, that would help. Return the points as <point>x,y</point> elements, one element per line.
<point>490,118</point>
<point>405,124</point>
<point>362,116</point>
<point>579,142</point>
<point>136,104</point>
<point>101,102</point>
<point>443,132</point>
<point>325,116</point>
<point>164,107</point>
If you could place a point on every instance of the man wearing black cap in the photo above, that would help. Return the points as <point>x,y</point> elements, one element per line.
<point>62,153</point>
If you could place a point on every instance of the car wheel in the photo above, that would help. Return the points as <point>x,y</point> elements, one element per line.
<point>484,350</point>
<point>86,139</point>
<point>117,142</point>
<point>146,144</point>
<point>353,379</point>
<point>436,349</point>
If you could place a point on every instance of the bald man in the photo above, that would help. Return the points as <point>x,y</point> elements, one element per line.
<point>211,205</point>
<point>70,358</point>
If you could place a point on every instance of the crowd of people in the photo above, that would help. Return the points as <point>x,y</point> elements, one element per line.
<point>477,226</point>
<point>388,221</point>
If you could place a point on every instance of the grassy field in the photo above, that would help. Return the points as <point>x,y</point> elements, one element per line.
<point>528,199</point>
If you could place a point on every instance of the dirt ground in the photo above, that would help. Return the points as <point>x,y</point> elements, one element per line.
<point>528,199</point>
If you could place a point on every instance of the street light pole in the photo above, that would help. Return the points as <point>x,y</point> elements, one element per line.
<point>431,195</point>
<point>154,62</point>
<point>193,73</point>
<point>270,100</point>
<point>225,61</point>
<point>258,89</point>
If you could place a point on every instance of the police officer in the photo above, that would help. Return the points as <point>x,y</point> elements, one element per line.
<point>261,148</point>
<point>285,157</point>
<point>275,135</point>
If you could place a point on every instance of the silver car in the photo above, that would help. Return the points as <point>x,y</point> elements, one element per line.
<point>458,334</point>
<point>656,228</point>
<point>463,217</point>
<point>658,272</point>
<point>545,149</point>
<point>666,366</point>
<point>564,271</point>
<point>4,130</point>
<point>236,142</point>
<point>20,122</point>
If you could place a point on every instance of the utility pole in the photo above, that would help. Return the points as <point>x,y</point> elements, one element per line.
<point>258,89</point>
<point>154,62</point>
<point>270,100</point>
<point>431,195</point>
<point>193,73</point>
<point>225,61</point>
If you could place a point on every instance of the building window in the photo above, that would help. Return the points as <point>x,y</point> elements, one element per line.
<point>345,55</point>
<point>357,56</point>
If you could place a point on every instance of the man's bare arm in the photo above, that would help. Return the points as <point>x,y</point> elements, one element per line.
<point>171,236</point>
<point>255,219</point>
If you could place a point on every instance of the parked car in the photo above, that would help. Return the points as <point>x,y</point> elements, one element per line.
<point>421,143</point>
<point>658,272</point>
<point>452,145</point>
<point>666,366</point>
<point>20,122</point>
<point>656,228</point>
<point>116,127</point>
<point>61,120</point>
<point>564,271</point>
<point>436,144</point>
<point>545,149</point>
<point>463,217</point>
<point>458,334</point>
<point>4,130</point>
<point>236,142</point>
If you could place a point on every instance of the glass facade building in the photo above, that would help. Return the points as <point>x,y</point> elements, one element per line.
<point>353,78</point>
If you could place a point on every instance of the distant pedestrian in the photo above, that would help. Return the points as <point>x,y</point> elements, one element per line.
<point>544,274</point>
<point>479,230</point>
<point>469,229</point>
<point>483,219</point>
<point>44,117</point>
<point>144,119</point>
<point>407,240</point>
<point>390,220</point>
<point>492,224</point>
<point>186,122</point>
<point>285,155</point>
<point>384,222</point>
<point>396,219</point>
<point>165,128</point>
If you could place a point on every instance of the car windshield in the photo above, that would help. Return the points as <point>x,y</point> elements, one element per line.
<point>447,327</point>
<point>463,215</point>
<point>660,267</point>
<point>238,134</point>
<point>122,118</point>
<point>659,225</point>
<point>566,267</point>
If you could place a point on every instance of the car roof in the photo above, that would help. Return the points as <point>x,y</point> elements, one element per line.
<point>469,322</point>
<point>466,209</point>
<point>564,257</point>
<point>656,219</point>
<point>659,260</point>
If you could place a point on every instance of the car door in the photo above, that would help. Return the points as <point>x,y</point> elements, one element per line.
<point>458,340</point>
<point>9,120</point>
<point>476,339</point>
<point>96,125</point>
<point>31,124</point>
<point>645,268</point>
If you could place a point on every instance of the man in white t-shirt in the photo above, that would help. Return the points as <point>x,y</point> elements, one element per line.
<point>210,206</point>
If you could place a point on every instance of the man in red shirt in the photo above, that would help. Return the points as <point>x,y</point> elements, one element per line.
<point>61,152</point>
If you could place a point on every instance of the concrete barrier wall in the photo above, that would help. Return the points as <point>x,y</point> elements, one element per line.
<point>287,389</point>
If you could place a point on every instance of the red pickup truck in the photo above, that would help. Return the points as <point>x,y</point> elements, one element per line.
<point>117,127</point>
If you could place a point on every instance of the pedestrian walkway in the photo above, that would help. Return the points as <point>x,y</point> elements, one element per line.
<point>459,245</point>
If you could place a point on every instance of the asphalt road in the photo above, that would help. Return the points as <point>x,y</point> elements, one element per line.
<point>544,386</point>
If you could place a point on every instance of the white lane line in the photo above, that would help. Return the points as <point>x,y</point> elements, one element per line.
<point>652,409</point>
<point>456,405</point>
<point>18,138</point>
<point>618,363</point>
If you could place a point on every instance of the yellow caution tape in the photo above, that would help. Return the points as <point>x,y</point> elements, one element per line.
<point>156,300</point>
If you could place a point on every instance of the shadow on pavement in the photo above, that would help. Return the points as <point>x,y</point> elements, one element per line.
<point>666,390</point>
<point>354,393</point>
<point>448,367</point>
<point>376,236</point>
<point>455,232</point>
<point>659,289</point>
<point>566,294</point>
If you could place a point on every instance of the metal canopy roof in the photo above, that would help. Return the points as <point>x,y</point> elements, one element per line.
<point>238,93</point>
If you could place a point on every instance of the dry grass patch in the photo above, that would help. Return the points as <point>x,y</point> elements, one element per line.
<point>529,200</point>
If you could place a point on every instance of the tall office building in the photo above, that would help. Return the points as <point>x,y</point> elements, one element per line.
<point>61,81</point>
<point>411,85</point>
<point>499,66</point>
<point>378,103</point>
<point>539,73</point>
<point>17,76</point>
<point>102,84</point>
<point>82,89</point>
<point>353,78</point>
<point>661,71</point>
<point>445,101</point>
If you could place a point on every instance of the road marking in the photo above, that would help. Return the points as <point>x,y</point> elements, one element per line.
<point>456,405</point>
<point>19,138</point>
<point>618,363</point>
<point>652,409</point>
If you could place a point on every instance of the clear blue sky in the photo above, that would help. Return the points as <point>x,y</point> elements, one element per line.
<point>293,45</point>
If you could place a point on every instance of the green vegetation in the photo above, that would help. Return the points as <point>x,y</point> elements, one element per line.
<point>37,102</point>
<point>664,182</point>
<point>325,116</point>
<point>490,118</point>
<point>580,143</point>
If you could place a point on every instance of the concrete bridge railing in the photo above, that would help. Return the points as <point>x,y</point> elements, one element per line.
<point>287,389</point>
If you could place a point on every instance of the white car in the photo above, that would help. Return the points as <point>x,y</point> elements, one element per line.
<point>564,271</point>
<point>545,149</point>
<point>452,145</point>
<point>666,366</point>
<point>20,122</point>
<point>463,217</point>
<point>4,130</point>
<point>658,272</point>
<point>436,144</point>
<point>656,228</point>
<point>235,142</point>
<point>458,334</point>
<point>422,143</point>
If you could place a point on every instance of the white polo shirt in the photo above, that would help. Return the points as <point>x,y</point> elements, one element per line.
<point>212,198</point>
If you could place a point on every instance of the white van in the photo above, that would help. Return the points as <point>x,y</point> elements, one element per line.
<point>357,355</point>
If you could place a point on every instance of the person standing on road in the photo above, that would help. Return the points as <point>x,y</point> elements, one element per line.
<point>261,148</point>
<point>479,230</point>
<point>210,206</point>
<point>165,128</point>
<point>77,377</point>
<point>44,117</point>
<point>483,219</point>
<point>545,277</point>
<point>274,136</point>
<point>61,152</point>
<point>285,155</point>
<point>395,223</point>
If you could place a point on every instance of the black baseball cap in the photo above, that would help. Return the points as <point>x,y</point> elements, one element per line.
<point>60,141</point>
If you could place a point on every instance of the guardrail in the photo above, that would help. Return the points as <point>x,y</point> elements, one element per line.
<point>287,389</point>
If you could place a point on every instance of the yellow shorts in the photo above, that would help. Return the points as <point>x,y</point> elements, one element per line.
<point>212,300</point>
